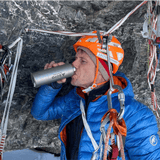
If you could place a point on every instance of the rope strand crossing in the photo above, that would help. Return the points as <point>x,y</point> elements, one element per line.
<point>112,29</point>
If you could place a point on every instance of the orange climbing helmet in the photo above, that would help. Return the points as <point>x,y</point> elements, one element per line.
<point>91,45</point>
<point>114,47</point>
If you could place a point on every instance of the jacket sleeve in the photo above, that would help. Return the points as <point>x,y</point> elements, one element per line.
<point>142,141</point>
<point>46,106</point>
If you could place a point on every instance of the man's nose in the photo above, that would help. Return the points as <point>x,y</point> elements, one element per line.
<point>75,63</point>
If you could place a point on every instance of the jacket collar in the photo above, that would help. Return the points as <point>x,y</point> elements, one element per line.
<point>119,79</point>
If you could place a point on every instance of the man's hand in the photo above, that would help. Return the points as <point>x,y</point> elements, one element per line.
<point>53,64</point>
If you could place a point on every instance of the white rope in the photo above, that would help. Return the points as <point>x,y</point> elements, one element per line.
<point>88,130</point>
<point>13,78</point>
<point>64,33</point>
<point>116,26</point>
<point>151,32</point>
<point>5,118</point>
<point>120,22</point>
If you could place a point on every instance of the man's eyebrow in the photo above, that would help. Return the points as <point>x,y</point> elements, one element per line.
<point>81,57</point>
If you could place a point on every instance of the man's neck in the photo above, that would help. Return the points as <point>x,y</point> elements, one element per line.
<point>99,91</point>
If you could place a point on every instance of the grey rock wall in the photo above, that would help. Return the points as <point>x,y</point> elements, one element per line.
<point>40,48</point>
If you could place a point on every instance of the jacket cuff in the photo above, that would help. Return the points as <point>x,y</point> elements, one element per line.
<point>56,85</point>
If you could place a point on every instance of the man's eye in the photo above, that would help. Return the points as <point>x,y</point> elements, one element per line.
<point>83,61</point>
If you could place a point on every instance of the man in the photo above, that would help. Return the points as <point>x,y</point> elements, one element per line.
<point>92,81</point>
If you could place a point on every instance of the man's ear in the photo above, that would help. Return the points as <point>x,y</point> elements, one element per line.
<point>100,77</point>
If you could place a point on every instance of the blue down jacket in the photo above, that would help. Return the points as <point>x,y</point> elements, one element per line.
<point>142,141</point>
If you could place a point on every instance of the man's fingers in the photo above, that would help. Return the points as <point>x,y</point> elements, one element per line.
<point>62,81</point>
<point>61,63</point>
<point>46,66</point>
<point>52,64</point>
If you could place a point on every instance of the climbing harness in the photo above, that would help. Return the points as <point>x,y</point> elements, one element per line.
<point>151,31</point>
<point>7,57</point>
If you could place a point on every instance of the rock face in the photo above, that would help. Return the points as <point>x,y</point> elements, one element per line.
<point>40,48</point>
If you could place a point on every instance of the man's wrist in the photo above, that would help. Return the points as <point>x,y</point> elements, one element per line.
<point>56,85</point>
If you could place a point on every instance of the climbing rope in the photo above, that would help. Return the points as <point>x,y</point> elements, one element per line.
<point>151,31</point>
<point>119,129</point>
<point>4,123</point>
<point>115,27</point>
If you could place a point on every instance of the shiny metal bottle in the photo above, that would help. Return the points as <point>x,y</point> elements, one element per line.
<point>52,75</point>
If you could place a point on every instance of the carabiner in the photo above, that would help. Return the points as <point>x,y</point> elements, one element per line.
<point>121,98</point>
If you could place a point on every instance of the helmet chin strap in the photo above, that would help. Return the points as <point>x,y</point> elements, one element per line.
<point>94,85</point>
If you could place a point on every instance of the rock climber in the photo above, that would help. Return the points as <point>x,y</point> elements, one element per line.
<point>92,81</point>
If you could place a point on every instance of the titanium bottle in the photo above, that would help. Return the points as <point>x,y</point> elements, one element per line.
<point>52,74</point>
